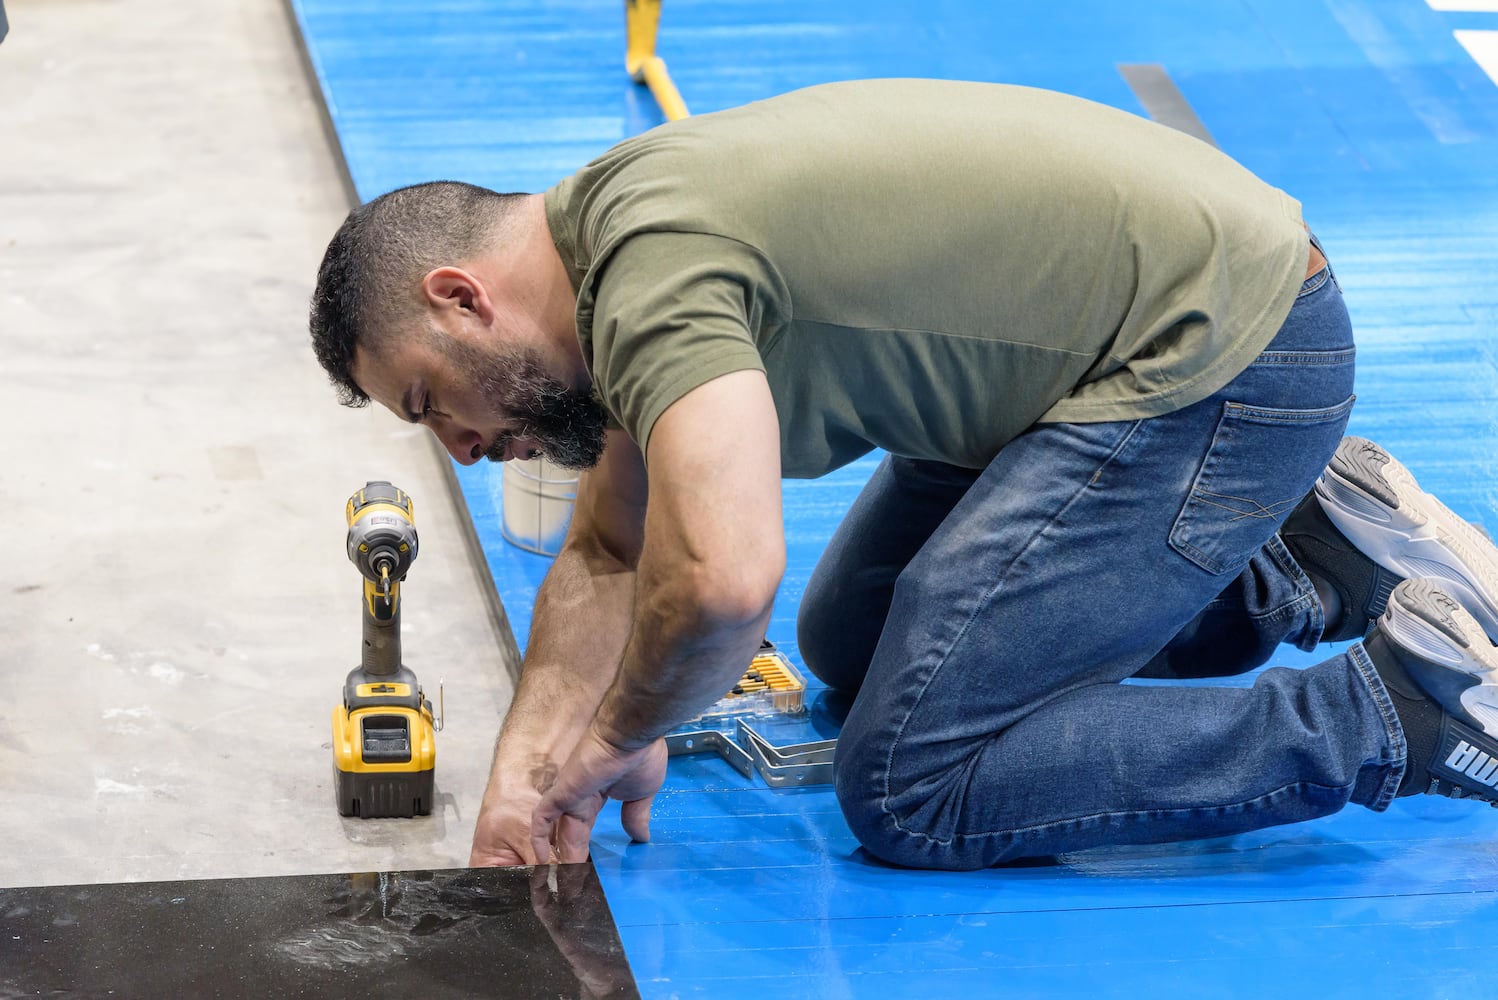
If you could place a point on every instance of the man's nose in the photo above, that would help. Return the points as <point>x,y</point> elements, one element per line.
<point>466,447</point>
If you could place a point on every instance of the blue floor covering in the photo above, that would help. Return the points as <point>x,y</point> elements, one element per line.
<point>1372,113</point>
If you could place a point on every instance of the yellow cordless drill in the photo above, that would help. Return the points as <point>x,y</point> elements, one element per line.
<point>384,750</point>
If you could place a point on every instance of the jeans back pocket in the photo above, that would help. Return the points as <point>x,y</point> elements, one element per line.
<point>1259,466</point>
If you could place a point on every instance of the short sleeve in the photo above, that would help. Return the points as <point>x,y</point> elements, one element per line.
<point>672,311</point>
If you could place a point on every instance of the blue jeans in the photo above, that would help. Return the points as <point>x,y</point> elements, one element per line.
<point>986,619</point>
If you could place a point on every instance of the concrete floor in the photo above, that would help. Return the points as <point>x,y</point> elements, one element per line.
<point>176,610</point>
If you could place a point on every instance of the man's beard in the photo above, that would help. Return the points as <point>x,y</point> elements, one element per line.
<point>568,423</point>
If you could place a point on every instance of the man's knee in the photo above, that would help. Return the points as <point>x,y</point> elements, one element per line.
<point>882,819</point>
<point>838,658</point>
<point>831,665</point>
<point>865,808</point>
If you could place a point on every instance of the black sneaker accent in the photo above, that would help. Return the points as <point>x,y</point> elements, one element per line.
<point>1419,717</point>
<point>1327,555</point>
<point>1441,672</point>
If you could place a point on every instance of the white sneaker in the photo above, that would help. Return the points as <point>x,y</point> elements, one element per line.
<point>1376,503</point>
<point>1426,644</point>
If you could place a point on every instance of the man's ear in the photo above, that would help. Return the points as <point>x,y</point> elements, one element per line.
<point>455,288</point>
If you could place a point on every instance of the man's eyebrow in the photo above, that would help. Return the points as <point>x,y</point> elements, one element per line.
<point>410,414</point>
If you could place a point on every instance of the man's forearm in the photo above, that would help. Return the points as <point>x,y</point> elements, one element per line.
<point>681,657</point>
<point>578,633</point>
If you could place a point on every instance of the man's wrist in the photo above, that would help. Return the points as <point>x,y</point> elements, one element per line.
<point>615,738</point>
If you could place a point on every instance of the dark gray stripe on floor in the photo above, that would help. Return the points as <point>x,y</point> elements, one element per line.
<point>1163,99</point>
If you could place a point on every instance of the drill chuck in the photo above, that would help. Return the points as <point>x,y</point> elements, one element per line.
<point>381,532</point>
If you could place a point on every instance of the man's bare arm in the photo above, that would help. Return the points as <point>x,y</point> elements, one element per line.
<point>713,556</point>
<point>579,629</point>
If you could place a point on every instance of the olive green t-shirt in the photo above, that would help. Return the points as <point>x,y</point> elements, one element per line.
<point>922,266</point>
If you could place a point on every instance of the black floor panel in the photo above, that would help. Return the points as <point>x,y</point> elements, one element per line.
<point>494,932</point>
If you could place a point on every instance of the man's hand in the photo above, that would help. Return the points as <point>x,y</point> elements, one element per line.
<point>596,772</point>
<point>502,837</point>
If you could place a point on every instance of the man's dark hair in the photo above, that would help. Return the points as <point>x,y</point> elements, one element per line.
<point>370,277</point>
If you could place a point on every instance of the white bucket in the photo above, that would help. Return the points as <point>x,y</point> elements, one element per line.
<point>536,505</point>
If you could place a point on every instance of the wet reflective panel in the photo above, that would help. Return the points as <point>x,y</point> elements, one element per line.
<point>431,934</point>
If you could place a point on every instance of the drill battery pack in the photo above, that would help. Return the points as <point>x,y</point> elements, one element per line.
<point>384,749</point>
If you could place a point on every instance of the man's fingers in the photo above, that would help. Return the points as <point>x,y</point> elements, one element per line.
<point>563,819</point>
<point>635,818</point>
<point>572,839</point>
<point>559,835</point>
<point>502,838</point>
<point>542,821</point>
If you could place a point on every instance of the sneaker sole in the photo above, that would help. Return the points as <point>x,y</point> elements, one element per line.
<point>1376,503</point>
<point>1450,655</point>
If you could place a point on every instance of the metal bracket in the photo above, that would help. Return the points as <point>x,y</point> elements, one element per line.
<point>789,766</point>
<point>710,741</point>
<point>782,767</point>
